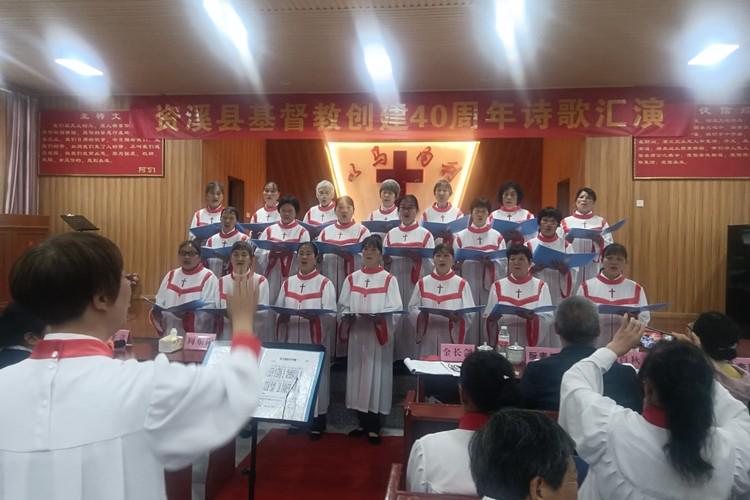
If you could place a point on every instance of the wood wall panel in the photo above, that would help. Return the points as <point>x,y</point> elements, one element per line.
<point>562,159</point>
<point>3,151</point>
<point>297,166</point>
<point>241,159</point>
<point>677,241</point>
<point>500,160</point>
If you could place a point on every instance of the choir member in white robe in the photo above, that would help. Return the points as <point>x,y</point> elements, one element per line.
<point>520,289</point>
<point>308,289</point>
<point>439,462</point>
<point>510,196</point>
<point>323,212</point>
<point>277,265</point>
<point>365,296</point>
<point>85,426</point>
<point>191,281</point>
<point>611,287</point>
<point>692,441</point>
<point>227,236</point>
<point>442,211</point>
<point>211,214</point>
<point>584,218</point>
<point>560,279</point>
<point>441,289</point>
<point>407,270</point>
<point>389,193</point>
<point>269,212</point>
<point>480,274</point>
<point>243,266</point>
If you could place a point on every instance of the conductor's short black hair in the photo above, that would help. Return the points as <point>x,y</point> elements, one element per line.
<point>15,323</point>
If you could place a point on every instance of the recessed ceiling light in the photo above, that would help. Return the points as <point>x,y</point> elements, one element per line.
<point>713,54</point>
<point>378,62</point>
<point>79,67</point>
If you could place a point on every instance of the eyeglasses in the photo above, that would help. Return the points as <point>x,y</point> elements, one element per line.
<point>188,254</point>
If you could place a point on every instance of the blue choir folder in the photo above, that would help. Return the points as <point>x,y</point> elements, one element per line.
<point>545,256</point>
<point>619,309</point>
<point>510,230</point>
<point>501,309</point>
<point>590,234</point>
<point>380,226</point>
<point>222,311</point>
<point>205,232</point>
<point>452,227</point>
<point>354,248</point>
<point>216,253</point>
<point>254,228</point>
<point>300,312</point>
<point>276,245</point>
<point>468,254</point>
<point>425,253</point>
<point>446,312</point>
<point>193,305</point>
<point>313,229</point>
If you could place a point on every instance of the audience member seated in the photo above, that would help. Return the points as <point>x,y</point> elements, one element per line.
<point>719,335</point>
<point>577,324</point>
<point>19,333</point>
<point>523,455</point>
<point>438,462</point>
<point>692,441</point>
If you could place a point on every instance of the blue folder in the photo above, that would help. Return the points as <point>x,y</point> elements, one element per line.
<point>313,229</point>
<point>222,311</point>
<point>468,254</point>
<point>452,227</point>
<point>502,309</point>
<point>425,253</point>
<point>254,228</point>
<point>620,310</point>
<point>509,229</point>
<point>380,226</point>
<point>276,245</point>
<point>205,232</point>
<point>216,253</point>
<point>300,312</point>
<point>545,256</point>
<point>323,247</point>
<point>446,312</point>
<point>590,234</point>
<point>193,305</point>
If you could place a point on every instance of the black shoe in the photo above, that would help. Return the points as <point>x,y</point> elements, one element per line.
<point>315,435</point>
<point>374,438</point>
<point>358,432</point>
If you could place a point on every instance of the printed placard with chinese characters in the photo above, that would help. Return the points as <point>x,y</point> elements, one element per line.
<point>198,341</point>
<point>96,143</point>
<point>455,353</point>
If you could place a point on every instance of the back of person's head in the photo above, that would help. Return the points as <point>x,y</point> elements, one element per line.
<point>488,381</point>
<point>518,453</point>
<point>56,280</point>
<point>16,323</point>
<point>577,321</point>
<point>682,380</point>
<point>719,335</point>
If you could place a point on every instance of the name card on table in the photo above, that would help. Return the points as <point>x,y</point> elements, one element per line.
<point>455,353</point>
<point>198,341</point>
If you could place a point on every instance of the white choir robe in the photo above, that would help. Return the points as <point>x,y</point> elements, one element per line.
<point>264,215</point>
<point>277,269</point>
<point>449,292</point>
<point>204,217</point>
<point>561,285</point>
<point>178,287</point>
<point>408,272</point>
<point>381,213</point>
<point>529,293</point>
<point>480,275</point>
<point>264,320</point>
<point>318,214</point>
<point>442,215</point>
<point>587,221</point>
<point>220,240</point>
<point>369,371</point>
<point>310,291</point>
<point>337,268</point>
<point>620,292</point>
<point>516,214</point>
<point>85,426</point>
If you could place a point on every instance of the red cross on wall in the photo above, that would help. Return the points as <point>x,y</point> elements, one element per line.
<point>400,173</point>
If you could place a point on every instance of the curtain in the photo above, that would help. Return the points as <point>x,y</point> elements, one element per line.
<point>22,141</point>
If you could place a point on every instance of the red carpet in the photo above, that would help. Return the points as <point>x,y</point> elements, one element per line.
<point>337,466</point>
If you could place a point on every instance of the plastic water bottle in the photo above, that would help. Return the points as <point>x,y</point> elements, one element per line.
<point>503,341</point>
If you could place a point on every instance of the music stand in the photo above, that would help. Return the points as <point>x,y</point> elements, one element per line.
<point>78,222</point>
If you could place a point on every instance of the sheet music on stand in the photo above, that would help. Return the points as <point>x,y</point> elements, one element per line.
<point>78,222</point>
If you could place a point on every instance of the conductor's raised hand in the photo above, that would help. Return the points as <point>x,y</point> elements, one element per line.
<point>627,336</point>
<point>242,304</point>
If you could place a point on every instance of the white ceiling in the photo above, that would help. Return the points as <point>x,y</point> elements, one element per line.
<point>163,46</point>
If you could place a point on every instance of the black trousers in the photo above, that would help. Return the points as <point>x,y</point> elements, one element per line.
<point>369,421</point>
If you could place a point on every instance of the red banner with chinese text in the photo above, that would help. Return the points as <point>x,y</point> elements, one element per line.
<point>648,112</point>
<point>718,146</point>
<point>98,143</point>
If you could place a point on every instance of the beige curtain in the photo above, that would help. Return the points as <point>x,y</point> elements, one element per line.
<point>22,154</point>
